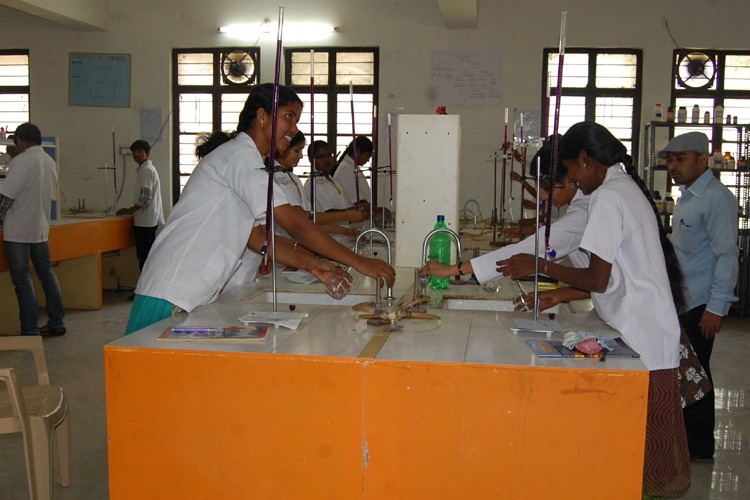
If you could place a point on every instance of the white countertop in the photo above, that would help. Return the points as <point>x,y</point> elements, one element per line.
<point>460,336</point>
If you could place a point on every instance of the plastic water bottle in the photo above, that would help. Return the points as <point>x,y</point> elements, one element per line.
<point>440,250</point>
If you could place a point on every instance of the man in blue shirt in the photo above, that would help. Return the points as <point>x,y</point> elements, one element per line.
<point>704,235</point>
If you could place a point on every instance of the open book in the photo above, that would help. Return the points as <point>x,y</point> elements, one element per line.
<point>555,349</point>
<point>214,334</point>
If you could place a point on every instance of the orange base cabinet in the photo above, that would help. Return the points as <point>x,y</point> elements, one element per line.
<point>191,424</point>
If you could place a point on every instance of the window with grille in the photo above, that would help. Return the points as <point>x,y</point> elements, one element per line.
<point>601,85</point>
<point>14,89</point>
<point>210,87</point>
<point>711,78</point>
<point>336,71</point>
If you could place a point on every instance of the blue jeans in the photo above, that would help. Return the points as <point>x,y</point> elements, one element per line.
<point>17,255</point>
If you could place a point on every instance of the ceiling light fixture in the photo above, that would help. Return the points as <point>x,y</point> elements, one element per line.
<point>292,31</point>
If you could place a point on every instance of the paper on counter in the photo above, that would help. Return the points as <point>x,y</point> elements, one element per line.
<point>529,325</point>
<point>302,277</point>
<point>289,320</point>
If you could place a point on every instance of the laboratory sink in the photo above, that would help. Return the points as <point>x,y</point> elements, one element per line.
<point>309,298</point>
<point>87,215</point>
<point>485,304</point>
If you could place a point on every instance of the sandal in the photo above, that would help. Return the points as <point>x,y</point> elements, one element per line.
<point>46,330</point>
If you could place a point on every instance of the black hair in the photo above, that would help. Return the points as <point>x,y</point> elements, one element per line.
<point>364,145</point>
<point>544,155</point>
<point>313,148</point>
<point>141,144</point>
<point>205,143</point>
<point>299,138</point>
<point>605,148</point>
<point>261,96</point>
<point>28,132</point>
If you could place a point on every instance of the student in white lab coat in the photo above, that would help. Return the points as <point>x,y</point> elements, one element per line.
<point>350,176</point>
<point>565,232</point>
<point>635,284</point>
<point>297,194</point>
<point>209,228</point>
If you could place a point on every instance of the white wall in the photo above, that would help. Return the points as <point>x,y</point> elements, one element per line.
<point>406,32</point>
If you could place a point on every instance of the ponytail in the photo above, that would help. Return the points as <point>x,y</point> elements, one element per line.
<point>208,142</point>
<point>674,273</point>
<point>601,145</point>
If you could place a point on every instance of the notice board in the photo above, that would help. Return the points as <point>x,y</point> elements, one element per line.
<point>99,80</point>
<point>466,78</point>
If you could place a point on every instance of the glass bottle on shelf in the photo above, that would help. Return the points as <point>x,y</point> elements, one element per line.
<point>717,159</point>
<point>682,115</point>
<point>707,117</point>
<point>696,115</point>
<point>658,116</point>
<point>670,114</point>
<point>728,161</point>
<point>718,113</point>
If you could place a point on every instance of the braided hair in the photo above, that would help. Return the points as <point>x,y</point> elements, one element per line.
<point>602,146</point>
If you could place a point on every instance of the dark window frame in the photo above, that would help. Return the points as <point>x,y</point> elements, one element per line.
<point>333,90</point>
<point>18,89</point>
<point>216,90</point>
<point>591,92</point>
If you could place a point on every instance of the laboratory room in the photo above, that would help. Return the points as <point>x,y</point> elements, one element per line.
<point>374,249</point>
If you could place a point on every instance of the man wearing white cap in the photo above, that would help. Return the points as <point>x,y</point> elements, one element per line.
<point>704,236</point>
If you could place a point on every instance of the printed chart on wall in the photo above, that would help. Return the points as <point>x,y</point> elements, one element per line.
<point>99,80</point>
<point>466,78</point>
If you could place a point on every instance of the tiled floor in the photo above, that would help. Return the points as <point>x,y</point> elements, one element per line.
<point>76,362</point>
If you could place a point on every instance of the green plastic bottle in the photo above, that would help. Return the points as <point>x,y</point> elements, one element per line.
<point>440,250</point>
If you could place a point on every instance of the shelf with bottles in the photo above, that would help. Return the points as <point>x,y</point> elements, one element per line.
<point>657,123</point>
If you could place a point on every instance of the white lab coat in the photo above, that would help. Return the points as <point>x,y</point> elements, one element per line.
<point>565,238</point>
<point>148,179</point>
<point>31,184</point>
<point>207,230</point>
<point>329,195</point>
<point>622,230</point>
<point>344,176</point>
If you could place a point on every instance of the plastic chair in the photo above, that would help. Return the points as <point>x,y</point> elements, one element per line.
<point>37,412</point>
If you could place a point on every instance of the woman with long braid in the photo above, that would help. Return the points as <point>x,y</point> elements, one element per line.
<point>635,281</point>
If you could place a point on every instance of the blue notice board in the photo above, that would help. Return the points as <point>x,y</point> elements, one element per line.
<point>99,80</point>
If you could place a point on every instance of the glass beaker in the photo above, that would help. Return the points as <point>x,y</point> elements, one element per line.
<point>520,300</point>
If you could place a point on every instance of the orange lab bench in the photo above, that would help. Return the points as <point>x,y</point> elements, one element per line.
<point>252,421</point>
<point>76,248</point>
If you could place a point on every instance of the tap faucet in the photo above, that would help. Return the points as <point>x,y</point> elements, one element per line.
<point>466,212</point>
<point>426,243</point>
<point>477,212</point>
<point>389,291</point>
